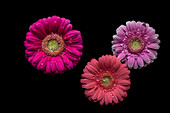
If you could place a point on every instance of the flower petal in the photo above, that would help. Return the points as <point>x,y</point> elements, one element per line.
<point>86,81</point>
<point>94,97</point>
<point>59,64</point>
<point>121,56</point>
<point>106,99</point>
<point>124,82</point>
<point>145,58</point>
<point>100,95</point>
<point>153,46</point>
<point>76,46</point>
<point>91,69</point>
<point>114,97</point>
<point>38,57</point>
<point>131,61</point>
<point>118,95</point>
<point>53,65</point>
<point>71,34</point>
<point>89,85</point>
<point>140,62</point>
<point>48,67</point>
<point>68,63</point>
<point>73,51</point>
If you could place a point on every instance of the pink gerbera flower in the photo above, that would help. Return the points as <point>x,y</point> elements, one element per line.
<point>52,45</point>
<point>106,80</point>
<point>135,44</point>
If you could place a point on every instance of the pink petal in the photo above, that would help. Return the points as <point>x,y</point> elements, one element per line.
<point>89,85</point>
<point>68,63</point>
<point>122,66</point>
<point>129,26</point>
<point>150,31</point>
<point>30,59</point>
<point>54,26</point>
<point>140,26</point>
<point>135,65</point>
<point>102,101</point>
<point>153,38</point>
<point>67,29</point>
<point>88,76</point>
<point>124,82</point>
<point>36,33</point>
<point>121,56</point>
<point>86,81</point>
<point>117,64</point>
<point>100,95</point>
<point>71,57</point>
<point>42,64</point>
<point>60,64</point>
<point>121,31</point>
<point>94,63</point>
<point>109,97</point>
<point>151,55</point>
<point>140,62</point>
<point>76,46</point>
<point>146,58</point>
<point>131,61</point>
<point>41,29</point>
<point>37,57</point>
<point>95,94</point>
<point>123,94</point>
<point>153,46</point>
<point>91,69</point>
<point>107,61</point>
<point>123,72</point>
<point>33,47</point>
<point>106,99</point>
<point>102,62</point>
<point>29,34</point>
<point>48,67</point>
<point>90,91</point>
<point>33,39</point>
<point>71,34</point>
<point>63,23</point>
<point>118,95</point>
<point>53,64</point>
<point>114,97</point>
<point>29,52</point>
<point>124,88</point>
<point>73,51</point>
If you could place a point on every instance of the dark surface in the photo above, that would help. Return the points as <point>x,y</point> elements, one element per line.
<point>32,90</point>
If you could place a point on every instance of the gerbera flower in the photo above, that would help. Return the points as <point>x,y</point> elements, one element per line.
<point>135,44</point>
<point>106,80</point>
<point>52,45</point>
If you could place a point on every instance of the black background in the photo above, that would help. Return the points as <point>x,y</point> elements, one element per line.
<point>32,90</point>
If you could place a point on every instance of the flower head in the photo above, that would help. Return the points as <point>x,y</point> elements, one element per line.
<point>106,80</point>
<point>52,45</point>
<point>135,44</point>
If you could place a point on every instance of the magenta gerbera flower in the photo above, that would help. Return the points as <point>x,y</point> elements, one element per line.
<point>135,44</point>
<point>106,80</point>
<point>52,45</point>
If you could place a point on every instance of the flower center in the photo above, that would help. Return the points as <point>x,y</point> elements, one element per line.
<point>53,45</point>
<point>106,80</point>
<point>135,45</point>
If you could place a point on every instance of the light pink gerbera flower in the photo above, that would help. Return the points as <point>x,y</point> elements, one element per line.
<point>135,44</point>
<point>106,80</point>
<point>52,45</point>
